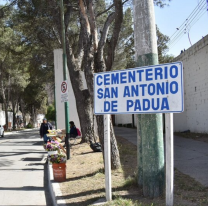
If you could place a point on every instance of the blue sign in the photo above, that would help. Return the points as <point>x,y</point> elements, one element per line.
<point>151,89</point>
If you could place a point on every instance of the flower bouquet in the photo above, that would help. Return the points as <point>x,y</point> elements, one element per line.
<point>57,158</point>
<point>52,132</point>
<point>52,146</point>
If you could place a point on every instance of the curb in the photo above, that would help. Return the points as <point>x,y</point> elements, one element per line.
<point>54,188</point>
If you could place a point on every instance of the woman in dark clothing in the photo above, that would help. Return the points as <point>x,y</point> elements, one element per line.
<point>73,129</point>
<point>45,126</point>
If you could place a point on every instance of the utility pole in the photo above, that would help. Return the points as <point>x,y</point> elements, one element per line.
<point>149,129</point>
<point>66,104</point>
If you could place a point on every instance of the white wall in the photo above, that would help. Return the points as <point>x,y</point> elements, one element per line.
<point>60,113</point>
<point>2,118</point>
<point>125,119</point>
<point>195,115</point>
<point>39,120</point>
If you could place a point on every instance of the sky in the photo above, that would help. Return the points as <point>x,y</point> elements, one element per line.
<point>172,17</point>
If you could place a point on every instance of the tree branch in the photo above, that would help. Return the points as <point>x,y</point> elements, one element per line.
<point>84,16</point>
<point>111,6</point>
<point>79,53</point>
<point>54,32</point>
<point>105,30</point>
<point>115,36</point>
<point>99,60</point>
<point>93,26</point>
<point>67,16</point>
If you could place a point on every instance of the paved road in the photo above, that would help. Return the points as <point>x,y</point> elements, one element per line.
<point>23,171</point>
<point>190,156</point>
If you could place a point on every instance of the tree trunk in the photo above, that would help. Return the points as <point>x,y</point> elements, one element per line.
<point>115,157</point>
<point>14,120</point>
<point>14,113</point>
<point>6,113</point>
<point>82,97</point>
<point>5,105</point>
<point>23,112</point>
<point>32,116</point>
<point>3,94</point>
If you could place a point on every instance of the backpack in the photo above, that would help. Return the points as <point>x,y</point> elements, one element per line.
<point>96,147</point>
<point>78,132</point>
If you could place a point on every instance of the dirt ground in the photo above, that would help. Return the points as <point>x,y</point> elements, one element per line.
<point>85,180</point>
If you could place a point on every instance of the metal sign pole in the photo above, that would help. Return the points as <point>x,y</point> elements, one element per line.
<point>169,159</point>
<point>107,157</point>
<point>66,104</point>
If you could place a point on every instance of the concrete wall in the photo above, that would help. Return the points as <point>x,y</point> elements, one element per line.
<point>3,120</point>
<point>60,114</point>
<point>125,119</point>
<point>195,115</point>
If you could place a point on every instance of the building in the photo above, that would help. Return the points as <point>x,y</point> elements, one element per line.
<point>195,63</point>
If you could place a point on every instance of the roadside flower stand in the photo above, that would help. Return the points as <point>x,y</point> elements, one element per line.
<point>56,155</point>
<point>59,166</point>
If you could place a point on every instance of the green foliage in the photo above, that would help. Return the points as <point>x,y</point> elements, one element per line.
<point>26,51</point>
<point>162,41</point>
<point>125,50</point>
<point>130,181</point>
<point>29,126</point>
<point>51,113</point>
<point>125,202</point>
<point>161,3</point>
<point>124,57</point>
<point>30,31</point>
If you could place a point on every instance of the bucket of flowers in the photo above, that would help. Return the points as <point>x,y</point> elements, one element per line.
<point>57,158</point>
<point>52,147</point>
<point>59,166</point>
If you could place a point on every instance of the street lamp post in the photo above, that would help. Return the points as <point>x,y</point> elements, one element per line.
<point>66,104</point>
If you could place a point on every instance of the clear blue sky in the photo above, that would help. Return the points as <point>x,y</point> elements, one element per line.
<point>173,16</point>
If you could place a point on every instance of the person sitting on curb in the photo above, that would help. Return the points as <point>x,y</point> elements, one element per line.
<point>73,130</point>
<point>45,126</point>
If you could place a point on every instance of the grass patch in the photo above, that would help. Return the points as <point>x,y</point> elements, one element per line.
<point>130,182</point>
<point>126,202</point>
<point>86,181</point>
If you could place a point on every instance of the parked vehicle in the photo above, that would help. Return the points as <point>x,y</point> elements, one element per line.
<point>1,131</point>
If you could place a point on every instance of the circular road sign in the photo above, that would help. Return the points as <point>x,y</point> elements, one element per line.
<point>63,87</point>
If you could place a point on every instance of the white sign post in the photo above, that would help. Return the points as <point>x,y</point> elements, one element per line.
<point>151,89</point>
<point>64,92</point>
<point>169,151</point>
<point>107,156</point>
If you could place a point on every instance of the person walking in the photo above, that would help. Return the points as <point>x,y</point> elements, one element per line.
<point>45,126</point>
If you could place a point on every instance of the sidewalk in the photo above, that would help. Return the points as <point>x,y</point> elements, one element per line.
<point>190,156</point>
<point>19,131</point>
<point>23,171</point>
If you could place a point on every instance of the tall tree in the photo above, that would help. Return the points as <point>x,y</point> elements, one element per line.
<point>22,60</point>
<point>92,30</point>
